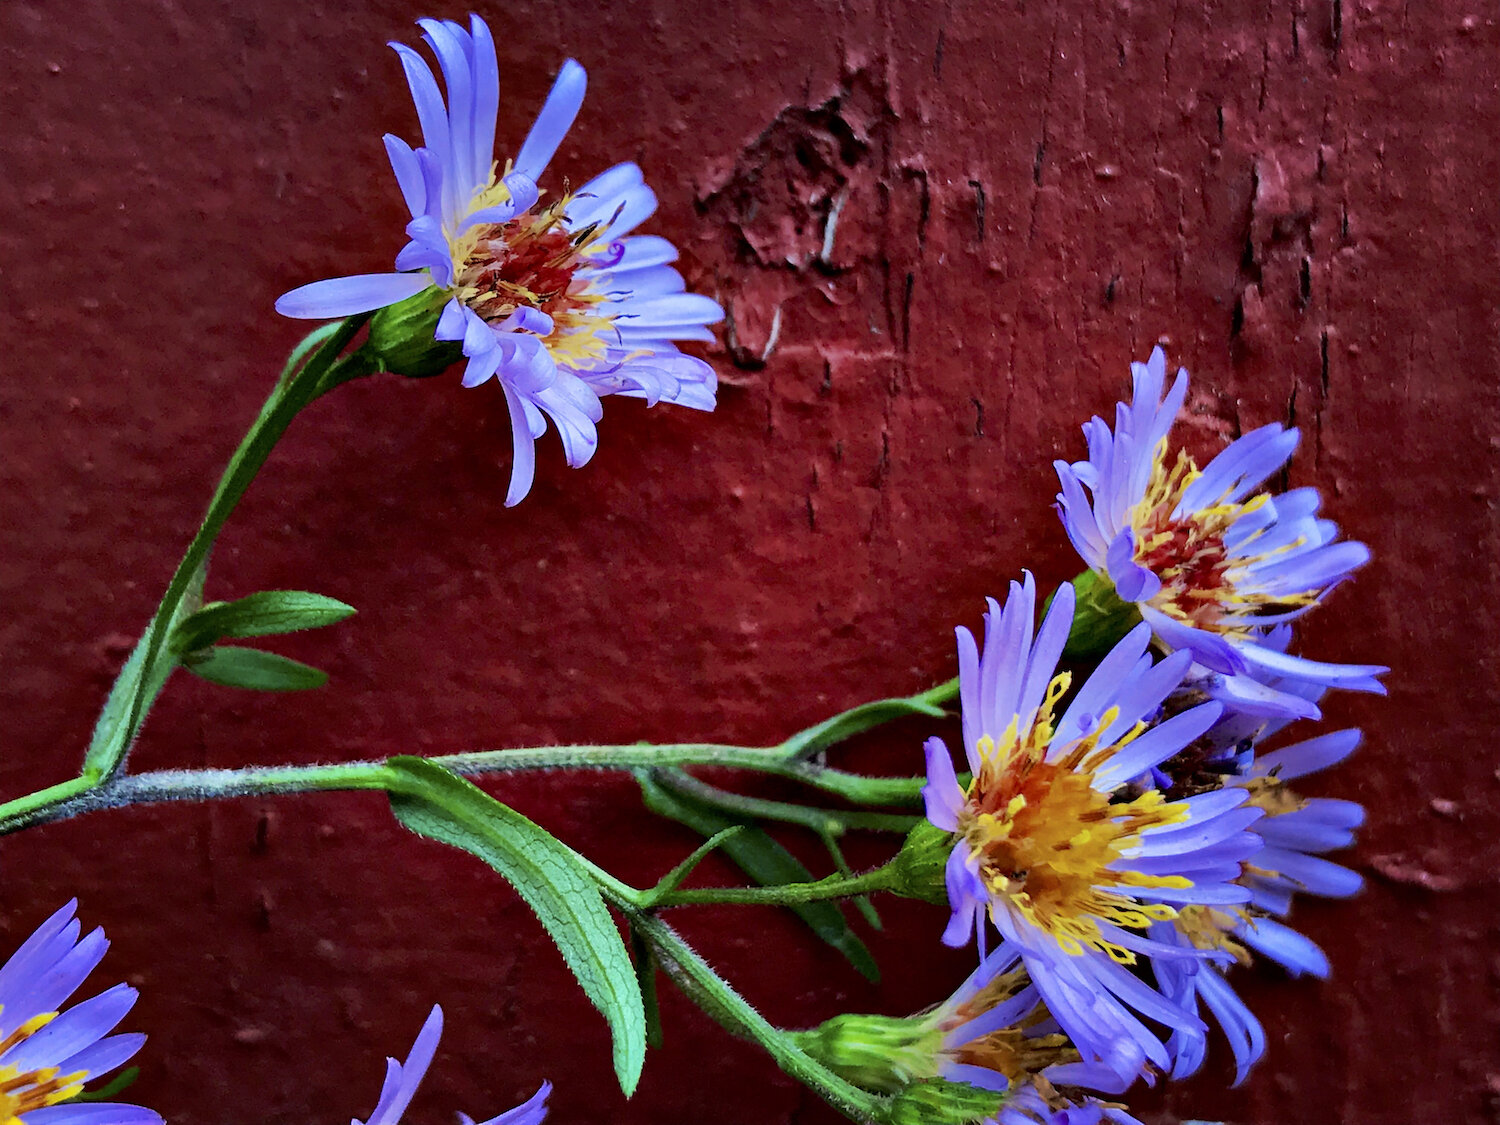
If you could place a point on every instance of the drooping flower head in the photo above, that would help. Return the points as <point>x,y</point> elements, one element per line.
<point>1210,563</point>
<point>48,1054</point>
<point>1053,839</point>
<point>402,1080</point>
<point>558,303</point>
<point>993,1034</point>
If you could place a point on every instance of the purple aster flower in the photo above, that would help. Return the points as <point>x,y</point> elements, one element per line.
<point>1210,563</point>
<point>996,1033</point>
<point>47,1054</point>
<point>1295,833</point>
<point>1054,841</point>
<point>561,305</point>
<point>402,1080</point>
<point>1038,1103</point>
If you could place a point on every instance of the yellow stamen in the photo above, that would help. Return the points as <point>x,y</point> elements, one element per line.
<point>24,1091</point>
<point>1199,580</point>
<point>1046,840</point>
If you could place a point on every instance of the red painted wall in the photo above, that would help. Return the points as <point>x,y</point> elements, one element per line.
<point>1300,197</point>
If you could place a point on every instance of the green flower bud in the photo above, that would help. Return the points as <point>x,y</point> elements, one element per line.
<point>920,866</point>
<point>878,1053</point>
<point>940,1102</point>
<point>401,340</point>
<point>1101,618</point>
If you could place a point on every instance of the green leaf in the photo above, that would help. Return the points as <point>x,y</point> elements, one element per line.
<point>764,860</point>
<point>233,666</point>
<point>258,615</point>
<point>111,1088</point>
<point>112,733</point>
<point>645,975</point>
<point>555,881</point>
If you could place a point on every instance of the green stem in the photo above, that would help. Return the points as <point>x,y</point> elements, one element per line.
<point>81,796</point>
<point>846,724</point>
<point>143,678</point>
<point>711,992</point>
<point>825,822</point>
<point>835,886</point>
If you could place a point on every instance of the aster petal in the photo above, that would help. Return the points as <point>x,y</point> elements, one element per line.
<point>1309,873</point>
<point>105,1055</point>
<point>93,1113</point>
<point>941,795</point>
<point>402,1079</point>
<point>1156,745</point>
<point>408,174</point>
<point>1348,676</point>
<point>1246,1037</point>
<point>1134,583</point>
<point>530,1112</point>
<point>1294,952</point>
<point>1310,756</point>
<point>347,296</point>
<point>523,463</point>
<point>553,122</point>
<point>74,1030</point>
<point>1209,649</point>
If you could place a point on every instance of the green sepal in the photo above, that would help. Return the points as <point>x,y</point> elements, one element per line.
<point>264,614</point>
<point>234,666</point>
<point>936,1101</point>
<point>922,863</point>
<point>1101,618</point>
<point>767,862</point>
<point>556,882</point>
<point>401,340</point>
<point>883,1054</point>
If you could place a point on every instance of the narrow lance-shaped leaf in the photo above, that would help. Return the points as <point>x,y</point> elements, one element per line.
<point>257,615</point>
<point>553,879</point>
<point>232,666</point>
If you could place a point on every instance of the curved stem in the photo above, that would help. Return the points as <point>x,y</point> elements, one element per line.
<point>716,997</point>
<point>825,822</point>
<point>145,673</point>
<point>835,886</point>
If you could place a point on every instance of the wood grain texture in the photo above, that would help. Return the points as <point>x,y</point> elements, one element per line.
<point>942,231</point>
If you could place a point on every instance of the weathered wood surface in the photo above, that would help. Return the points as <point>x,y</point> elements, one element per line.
<point>942,230</point>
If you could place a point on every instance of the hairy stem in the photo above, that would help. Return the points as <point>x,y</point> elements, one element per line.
<point>78,797</point>
<point>835,886</point>
<point>712,993</point>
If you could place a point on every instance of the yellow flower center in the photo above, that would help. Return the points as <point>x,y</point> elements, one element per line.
<point>1209,927</point>
<point>1008,1051</point>
<point>1046,840</point>
<point>23,1091</point>
<point>532,261</point>
<point>1187,552</point>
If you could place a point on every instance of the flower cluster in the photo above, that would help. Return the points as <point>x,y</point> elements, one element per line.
<point>1122,834</point>
<point>559,303</point>
<point>1121,827</point>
